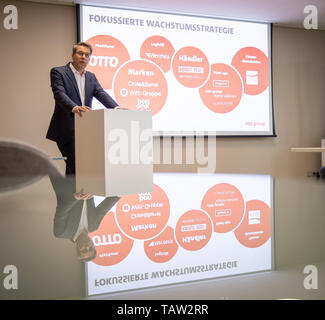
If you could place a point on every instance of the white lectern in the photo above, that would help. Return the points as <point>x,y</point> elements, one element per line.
<point>114,154</point>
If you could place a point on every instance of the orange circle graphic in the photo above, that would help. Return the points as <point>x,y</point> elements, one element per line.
<point>158,50</point>
<point>255,228</point>
<point>190,67</point>
<point>223,91</point>
<point>193,230</point>
<point>140,85</point>
<point>111,245</point>
<point>162,248</point>
<point>143,216</point>
<point>225,205</point>
<point>108,55</point>
<point>252,64</point>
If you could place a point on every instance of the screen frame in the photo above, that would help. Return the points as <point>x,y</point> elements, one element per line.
<point>217,134</point>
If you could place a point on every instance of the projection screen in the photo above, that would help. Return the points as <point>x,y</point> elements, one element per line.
<point>198,75</point>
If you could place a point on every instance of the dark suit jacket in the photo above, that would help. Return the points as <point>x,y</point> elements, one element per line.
<point>66,95</point>
<point>68,211</point>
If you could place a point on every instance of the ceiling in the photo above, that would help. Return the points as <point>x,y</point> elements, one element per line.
<point>281,12</point>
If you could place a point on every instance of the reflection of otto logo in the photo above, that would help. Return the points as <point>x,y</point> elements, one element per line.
<point>194,227</point>
<point>103,61</point>
<point>108,239</point>
<point>223,213</point>
<point>126,207</point>
<point>144,196</point>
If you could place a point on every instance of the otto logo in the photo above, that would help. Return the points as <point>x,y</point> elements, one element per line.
<point>103,61</point>
<point>144,196</point>
<point>107,239</point>
<point>11,20</point>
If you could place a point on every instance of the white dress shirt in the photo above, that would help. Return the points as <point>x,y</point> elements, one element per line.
<point>81,80</point>
<point>83,224</point>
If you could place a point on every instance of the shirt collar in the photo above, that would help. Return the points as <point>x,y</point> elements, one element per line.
<point>74,70</point>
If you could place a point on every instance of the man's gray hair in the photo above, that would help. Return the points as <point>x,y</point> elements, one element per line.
<point>84,44</point>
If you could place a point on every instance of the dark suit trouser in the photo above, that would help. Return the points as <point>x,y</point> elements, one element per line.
<point>68,150</point>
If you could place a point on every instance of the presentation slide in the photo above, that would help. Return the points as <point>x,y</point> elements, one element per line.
<point>198,75</point>
<point>220,225</point>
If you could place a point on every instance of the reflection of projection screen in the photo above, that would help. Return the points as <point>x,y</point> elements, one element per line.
<point>221,225</point>
<point>198,75</point>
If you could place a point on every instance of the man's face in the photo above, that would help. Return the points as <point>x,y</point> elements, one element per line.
<point>81,58</point>
<point>85,247</point>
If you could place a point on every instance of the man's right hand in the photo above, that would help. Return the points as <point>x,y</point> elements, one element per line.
<point>80,109</point>
<point>82,196</point>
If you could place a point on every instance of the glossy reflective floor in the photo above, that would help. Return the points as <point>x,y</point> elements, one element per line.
<point>48,268</point>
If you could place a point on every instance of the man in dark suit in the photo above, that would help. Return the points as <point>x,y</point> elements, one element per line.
<point>73,89</point>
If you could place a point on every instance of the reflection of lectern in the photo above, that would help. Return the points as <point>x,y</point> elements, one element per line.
<point>114,152</point>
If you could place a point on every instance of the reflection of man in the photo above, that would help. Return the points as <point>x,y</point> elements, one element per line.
<point>76,216</point>
<point>73,89</point>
